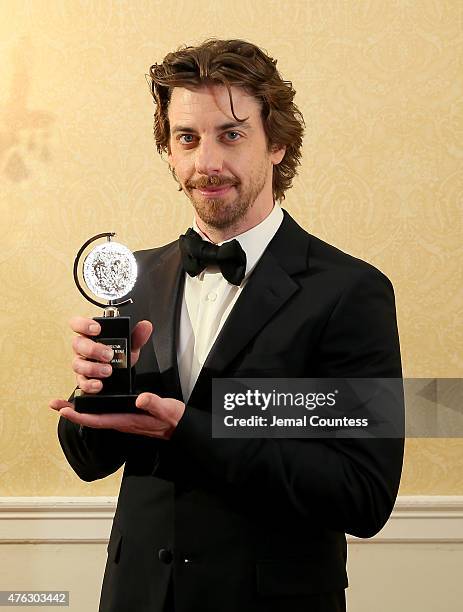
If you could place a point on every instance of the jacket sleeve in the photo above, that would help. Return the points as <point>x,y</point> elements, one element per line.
<point>97,453</point>
<point>92,453</point>
<point>347,485</point>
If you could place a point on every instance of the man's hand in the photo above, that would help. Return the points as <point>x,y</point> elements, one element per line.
<point>89,373</point>
<point>158,416</point>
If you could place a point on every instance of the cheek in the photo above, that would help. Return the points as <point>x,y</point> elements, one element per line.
<point>183,166</point>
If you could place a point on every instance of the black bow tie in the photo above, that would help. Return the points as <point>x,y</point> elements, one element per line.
<point>197,254</point>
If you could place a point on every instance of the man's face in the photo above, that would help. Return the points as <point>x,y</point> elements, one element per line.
<point>223,166</point>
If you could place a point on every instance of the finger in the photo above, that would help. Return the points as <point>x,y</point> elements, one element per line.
<point>91,349</point>
<point>57,404</point>
<point>90,420</point>
<point>89,385</point>
<point>87,327</point>
<point>149,402</point>
<point>121,422</point>
<point>140,335</point>
<point>91,369</point>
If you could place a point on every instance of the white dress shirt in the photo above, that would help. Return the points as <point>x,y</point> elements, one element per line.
<point>208,300</point>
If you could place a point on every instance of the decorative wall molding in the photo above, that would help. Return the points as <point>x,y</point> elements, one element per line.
<point>422,518</point>
<point>68,520</point>
<point>76,520</point>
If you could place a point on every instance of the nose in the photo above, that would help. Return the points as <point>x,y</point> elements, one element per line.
<point>209,159</point>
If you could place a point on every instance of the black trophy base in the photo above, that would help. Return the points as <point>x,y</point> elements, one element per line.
<point>105,404</point>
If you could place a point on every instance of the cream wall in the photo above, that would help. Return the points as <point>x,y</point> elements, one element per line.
<point>380,86</point>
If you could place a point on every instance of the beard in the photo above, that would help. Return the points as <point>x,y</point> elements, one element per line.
<point>223,212</point>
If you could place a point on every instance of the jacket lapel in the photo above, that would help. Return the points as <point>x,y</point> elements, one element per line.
<point>265,293</point>
<point>166,290</point>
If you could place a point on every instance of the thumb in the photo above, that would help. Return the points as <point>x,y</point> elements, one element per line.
<point>140,335</point>
<point>149,402</point>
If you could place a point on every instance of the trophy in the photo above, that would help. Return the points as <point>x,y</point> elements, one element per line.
<point>109,271</point>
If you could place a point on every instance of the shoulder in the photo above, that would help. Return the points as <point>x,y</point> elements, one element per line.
<point>326,263</point>
<point>149,261</point>
<point>326,259</point>
<point>148,258</point>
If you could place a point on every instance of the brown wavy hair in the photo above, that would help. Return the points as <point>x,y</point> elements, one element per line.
<point>239,63</point>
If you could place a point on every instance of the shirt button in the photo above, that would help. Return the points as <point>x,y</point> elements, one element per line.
<point>165,555</point>
<point>212,296</point>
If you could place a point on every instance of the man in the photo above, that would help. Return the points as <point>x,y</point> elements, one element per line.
<point>220,525</point>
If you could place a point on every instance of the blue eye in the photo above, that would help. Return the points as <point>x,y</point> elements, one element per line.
<point>186,138</point>
<point>233,135</point>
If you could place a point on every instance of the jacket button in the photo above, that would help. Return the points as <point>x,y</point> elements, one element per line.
<point>165,555</point>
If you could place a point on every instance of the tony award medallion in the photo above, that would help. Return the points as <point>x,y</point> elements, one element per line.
<point>109,271</point>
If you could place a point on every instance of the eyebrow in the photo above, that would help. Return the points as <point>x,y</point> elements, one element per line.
<point>224,126</point>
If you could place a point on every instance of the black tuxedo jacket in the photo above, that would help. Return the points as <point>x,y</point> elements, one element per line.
<point>249,524</point>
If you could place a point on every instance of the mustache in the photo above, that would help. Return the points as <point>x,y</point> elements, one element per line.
<point>211,181</point>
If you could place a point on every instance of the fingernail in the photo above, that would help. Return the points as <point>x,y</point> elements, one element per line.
<point>93,328</point>
<point>95,385</point>
<point>108,354</point>
<point>106,370</point>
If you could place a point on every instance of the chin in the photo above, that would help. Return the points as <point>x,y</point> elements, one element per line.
<point>216,215</point>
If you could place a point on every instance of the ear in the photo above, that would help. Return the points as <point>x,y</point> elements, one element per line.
<point>277,153</point>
